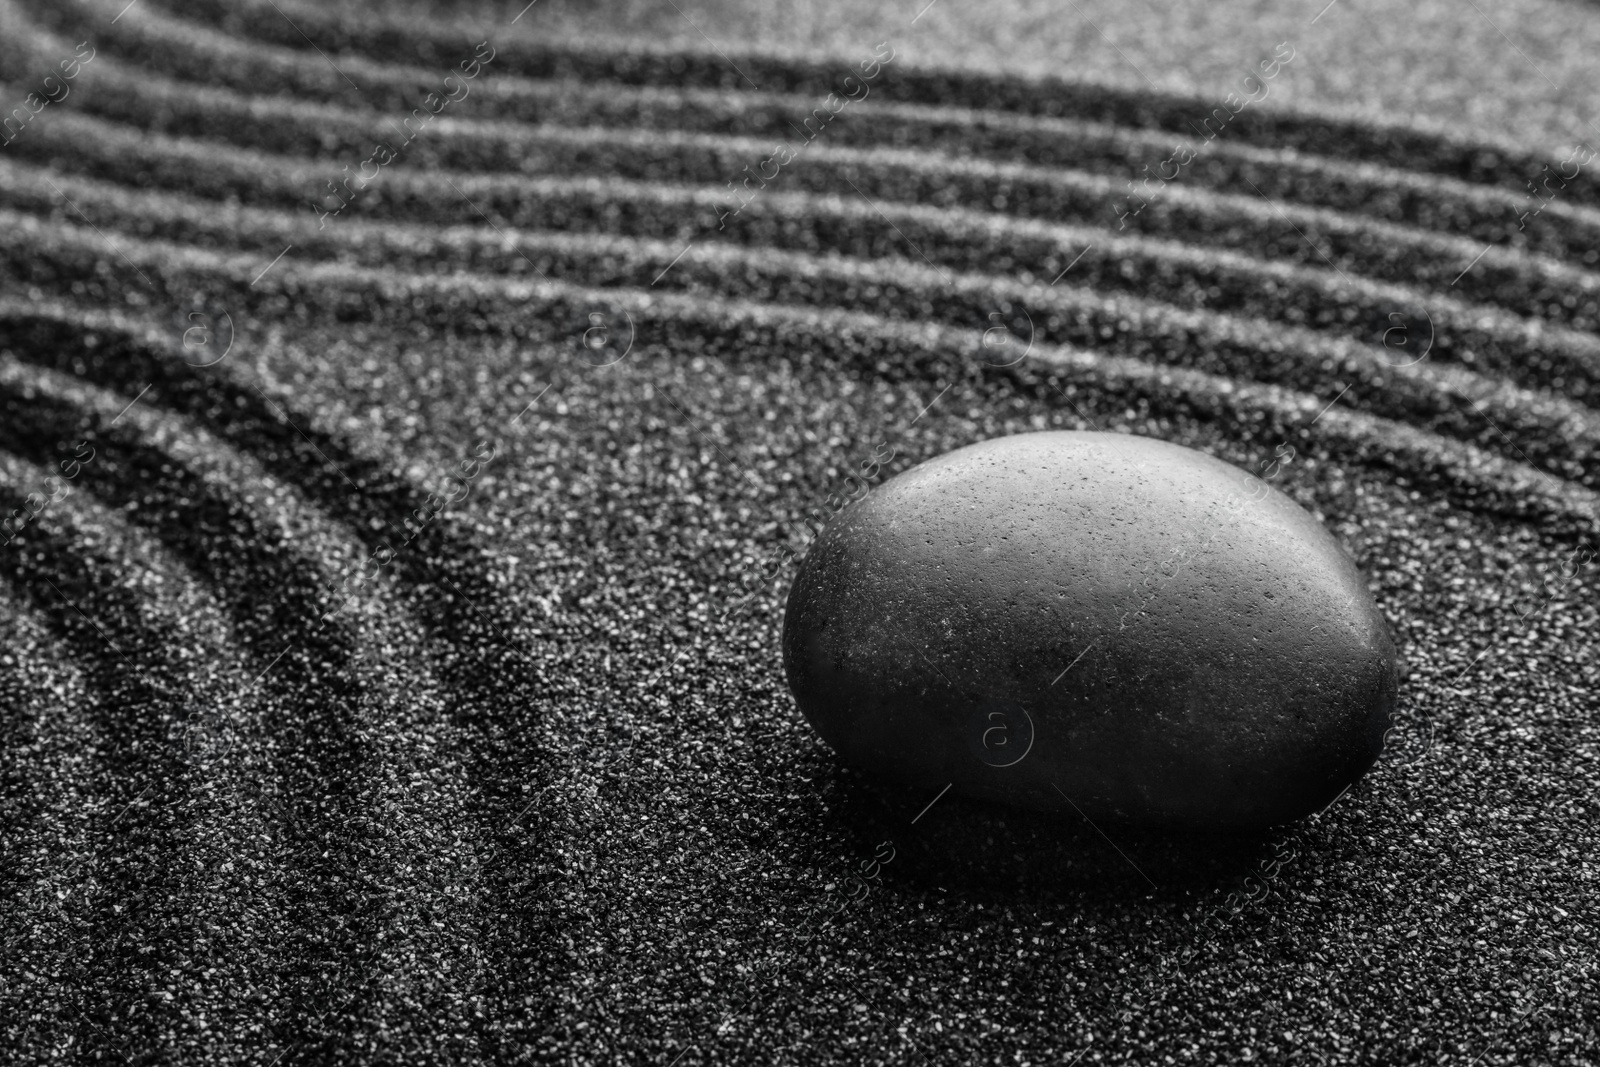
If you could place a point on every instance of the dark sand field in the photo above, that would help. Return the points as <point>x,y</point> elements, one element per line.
<point>312,754</point>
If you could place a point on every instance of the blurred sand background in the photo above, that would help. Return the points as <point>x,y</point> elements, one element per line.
<point>1522,72</point>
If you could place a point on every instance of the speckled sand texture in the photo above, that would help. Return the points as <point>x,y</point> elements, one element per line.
<point>532,790</point>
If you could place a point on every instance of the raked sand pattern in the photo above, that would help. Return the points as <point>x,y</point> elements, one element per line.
<point>404,491</point>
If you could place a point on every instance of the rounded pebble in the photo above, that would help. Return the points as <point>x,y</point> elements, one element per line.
<point>1095,622</point>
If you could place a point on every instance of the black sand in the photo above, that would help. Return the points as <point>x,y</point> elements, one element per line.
<point>536,792</point>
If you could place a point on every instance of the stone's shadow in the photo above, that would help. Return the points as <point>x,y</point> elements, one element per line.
<point>989,853</point>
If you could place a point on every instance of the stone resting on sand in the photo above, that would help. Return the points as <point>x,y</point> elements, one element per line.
<point>1092,620</point>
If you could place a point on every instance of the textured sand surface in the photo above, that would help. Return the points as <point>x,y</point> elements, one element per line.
<point>305,761</point>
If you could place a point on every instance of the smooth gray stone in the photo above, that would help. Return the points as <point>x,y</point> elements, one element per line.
<point>1098,622</point>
